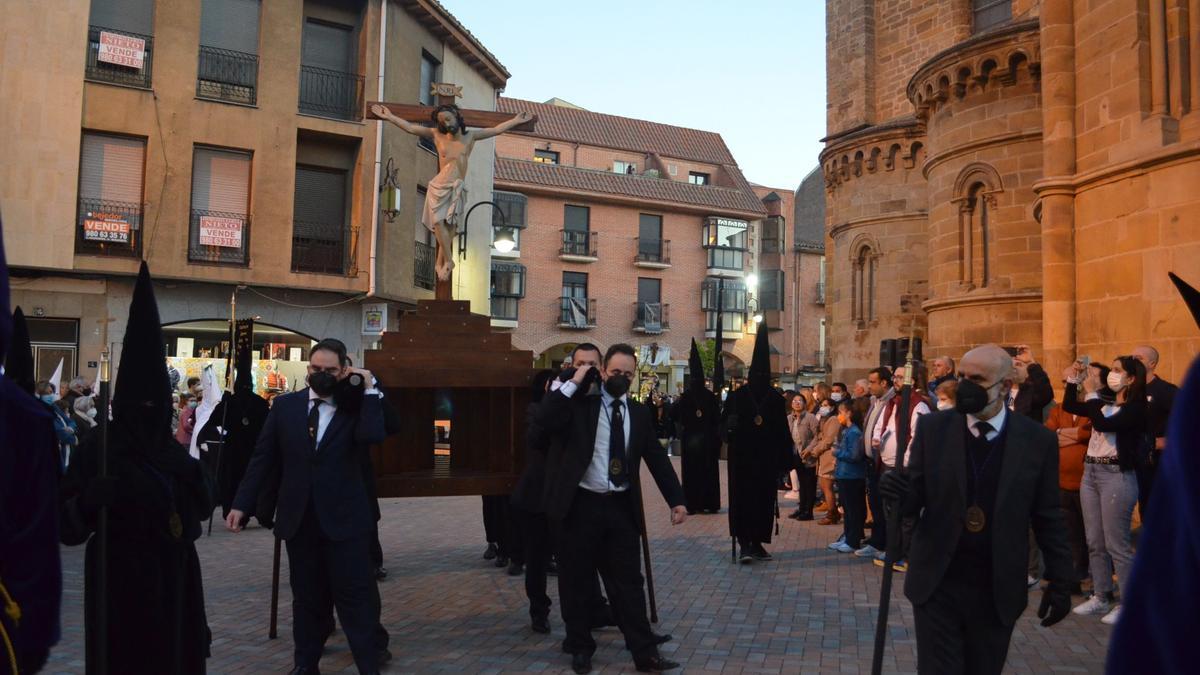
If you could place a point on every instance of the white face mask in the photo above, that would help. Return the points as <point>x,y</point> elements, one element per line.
<point>824,411</point>
<point>837,396</point>
<point>1116,381</point>
<point>943,404</point>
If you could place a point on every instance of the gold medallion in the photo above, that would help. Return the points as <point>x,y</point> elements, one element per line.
<point>975,520</point>
<point>176,526</point>
<point>614,467</point>
<point>699,413</point>
<point>758,420</point>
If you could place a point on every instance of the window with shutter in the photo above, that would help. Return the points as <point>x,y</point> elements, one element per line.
<point>110,194</point>
<point>220,224</point>
<point>134,16</point>
<point>120,42</point>
<point>329,83</point>
<point>228,65</point>
<point>319,221</point>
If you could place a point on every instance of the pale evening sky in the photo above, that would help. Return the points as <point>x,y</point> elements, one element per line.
<point>703,64</point>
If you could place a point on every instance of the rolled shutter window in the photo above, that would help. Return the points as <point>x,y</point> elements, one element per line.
<point>134,16</point>
<point>230,24</point>
<point>221,181</point>
<point>111,168</point>
<point>328,46</point>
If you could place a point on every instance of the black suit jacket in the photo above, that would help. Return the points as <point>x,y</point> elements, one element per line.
<point>570,425</point>
<point>1027,495</point>
<point>531,487</point>
<point>332,476</point>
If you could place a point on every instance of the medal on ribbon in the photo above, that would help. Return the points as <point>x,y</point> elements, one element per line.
<point>758,420</point>
<point>976,520</point>
<point>614,467</point>
<point>176,525</point>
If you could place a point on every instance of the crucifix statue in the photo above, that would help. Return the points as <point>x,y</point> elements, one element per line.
<point>446,194</point>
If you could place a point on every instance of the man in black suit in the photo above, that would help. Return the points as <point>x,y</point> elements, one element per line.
<point>324,512</point>
<point>978,478</point>
<point>593,499</point>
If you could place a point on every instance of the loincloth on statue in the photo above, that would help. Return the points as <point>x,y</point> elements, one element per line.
<point>444,199</point>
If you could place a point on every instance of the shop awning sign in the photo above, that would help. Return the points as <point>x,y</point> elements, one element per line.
<point>121,50</point>
<point>223,232</point>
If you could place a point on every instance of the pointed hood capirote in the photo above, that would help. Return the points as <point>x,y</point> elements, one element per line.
<point>18,363</point>
<point>760,364</point>
<point>1190,295</point>
<point>142,395</point>
<point>695,368</point>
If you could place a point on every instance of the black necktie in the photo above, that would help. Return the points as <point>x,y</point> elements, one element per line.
<point>618,472</point>
<point>984,429</point>
<point>314,421</point>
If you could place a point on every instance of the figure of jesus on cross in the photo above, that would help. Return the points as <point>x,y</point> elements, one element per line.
<point>446,194</point>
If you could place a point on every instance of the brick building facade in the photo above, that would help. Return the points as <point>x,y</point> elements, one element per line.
<point>1012,172</point>
<point>623,227</point>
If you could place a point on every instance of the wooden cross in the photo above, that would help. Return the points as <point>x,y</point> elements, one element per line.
<point>447,94</point>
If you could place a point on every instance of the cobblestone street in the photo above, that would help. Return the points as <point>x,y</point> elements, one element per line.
<point>810,610</point>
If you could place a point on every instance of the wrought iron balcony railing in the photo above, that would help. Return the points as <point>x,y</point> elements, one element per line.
<point>108,228</point>
<point>653,252</point>
<point>651,317</point>
<point>133,67</point>
<point>226,75</point>
<point>579,245</point>
<point>579,313</point>
<point>424,259</point>
<point>318,247</point>
<point>329,93</point>
<point>217,237</point>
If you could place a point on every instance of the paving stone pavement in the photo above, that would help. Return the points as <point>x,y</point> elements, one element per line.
<point>810,610</point>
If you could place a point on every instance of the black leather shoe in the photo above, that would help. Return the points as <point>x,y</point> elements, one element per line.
<point>541,625</point>
<point>380,573</point>
<point>515,569</point>
<point>581,663</point>
<point>662,639</point>
<point>501,560</point>
<point>383,657</point>
<point>490,553</point>
<point>654,664</point>
<point>299,670</point>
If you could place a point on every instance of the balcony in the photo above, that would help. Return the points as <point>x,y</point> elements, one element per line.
<point>424,257</point>
<point>108,228</point>
<point>222,238</point>
<point>651,318</point>
<point>577,313</point>
<point>819,296</point>
<point>318,247</point>
<point>653,254</point>
<point>726,261</point>
<point>226,75</point>
<point>579,246</point>
<point>126,58</point>
<point>329,93</point>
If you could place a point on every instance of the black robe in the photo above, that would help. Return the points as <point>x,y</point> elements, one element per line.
<point>758,454</point>
<point>243,414</point>
<point>698,416</point>
<point>157,622</point>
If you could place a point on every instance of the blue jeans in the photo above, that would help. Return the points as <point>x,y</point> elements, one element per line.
<point>1107,496</point>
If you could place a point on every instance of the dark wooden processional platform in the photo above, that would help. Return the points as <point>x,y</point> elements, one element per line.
<point>461,391</point>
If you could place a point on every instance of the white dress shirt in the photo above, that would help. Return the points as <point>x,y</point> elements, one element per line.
<point>1103,444</point>
<point>997,423</point>
<point>596,478</point>
<point>324,415</point>
<point>887,439</point>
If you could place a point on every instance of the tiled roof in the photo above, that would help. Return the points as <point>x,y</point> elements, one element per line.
<point>810,212</point>
<point>437,19</point>
<point>517,172</point>
<point>623,133</point>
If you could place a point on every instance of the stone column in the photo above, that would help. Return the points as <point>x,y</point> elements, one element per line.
<point>1056,190</point>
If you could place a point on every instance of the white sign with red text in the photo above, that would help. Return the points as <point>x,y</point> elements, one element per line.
<point>224,232</point>
<point>122,50</point>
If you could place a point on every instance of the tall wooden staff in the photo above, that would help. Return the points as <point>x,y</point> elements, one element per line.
<point>102,527</point>
<point>646,559</point>
<point>273,631</point>
<point>892,512</point>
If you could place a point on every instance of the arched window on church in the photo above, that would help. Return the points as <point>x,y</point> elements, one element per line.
<point>975,193</point>
<point>863,285</point>
<point>987,14</point>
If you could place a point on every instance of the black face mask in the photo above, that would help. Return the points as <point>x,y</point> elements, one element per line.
<point>616,385</point>
<point>322,383</point>
<point>971,397</point>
